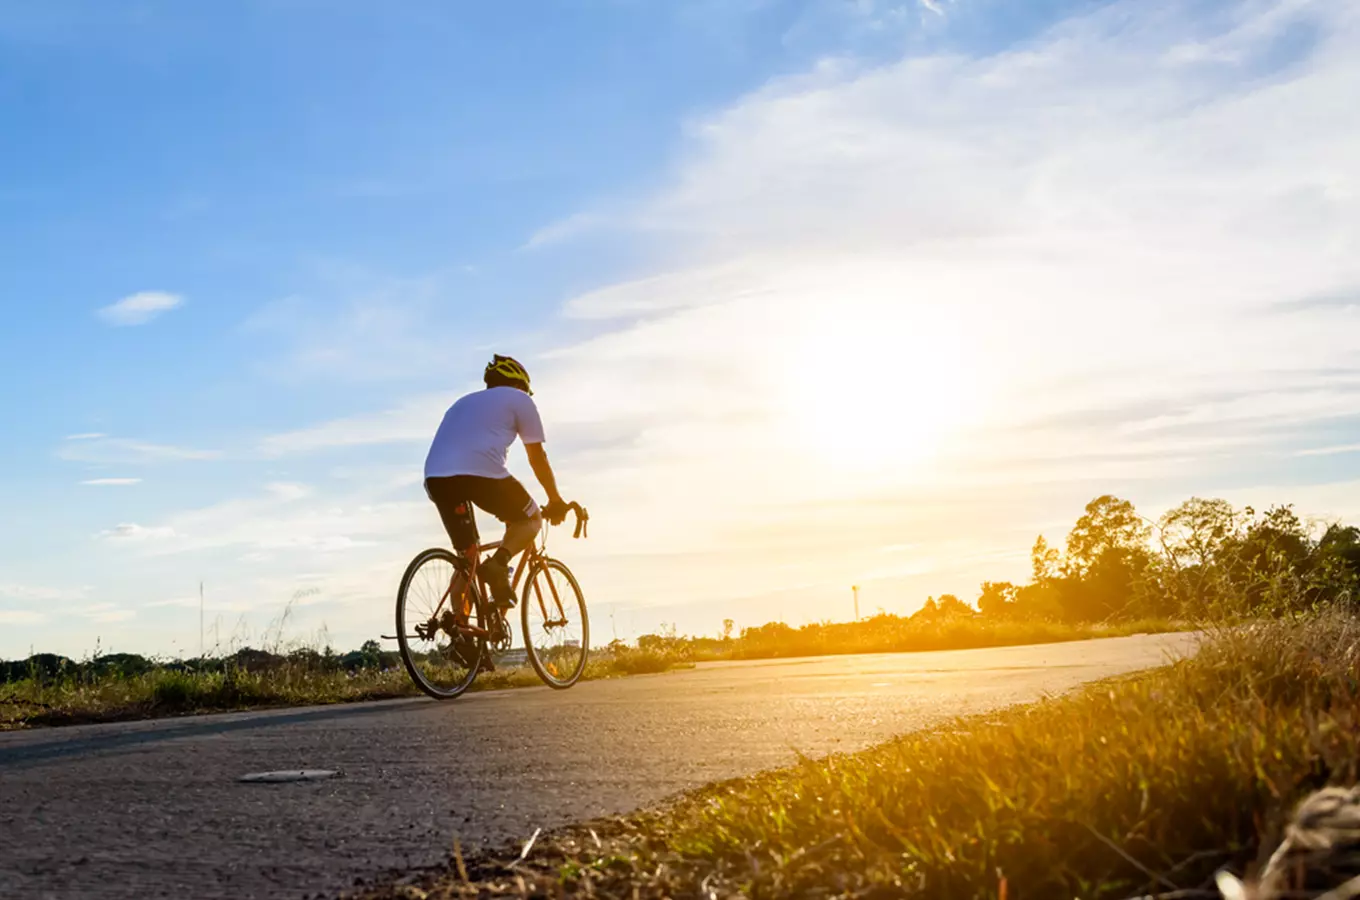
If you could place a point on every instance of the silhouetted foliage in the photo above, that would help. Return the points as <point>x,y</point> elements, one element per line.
<point>1202,560</point>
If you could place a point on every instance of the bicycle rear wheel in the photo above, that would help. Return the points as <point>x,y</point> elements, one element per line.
<point>440,657</point>
<point>556,627</point>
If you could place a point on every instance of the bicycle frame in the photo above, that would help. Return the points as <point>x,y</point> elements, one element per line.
<point>532,556</point>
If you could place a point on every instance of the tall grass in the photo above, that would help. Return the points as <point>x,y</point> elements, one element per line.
<point>1146,785</point>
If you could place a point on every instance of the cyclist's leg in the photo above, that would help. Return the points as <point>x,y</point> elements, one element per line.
<point>507,500</point>
<point>455,511</point>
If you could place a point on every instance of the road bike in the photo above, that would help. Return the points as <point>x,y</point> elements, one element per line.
<point>449,630</point>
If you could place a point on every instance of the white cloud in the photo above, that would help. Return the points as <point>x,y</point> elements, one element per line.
<point>412,421</point>
<point>138,309</point>
<point>132,532</point>
<point>111,482</point>
<point>21,617</point>
<point>1330,451</point>
<point>86,436</point>
<point>571,227</point>
<point>358,327</point>
<point>1022,277</point>
<point>288,491</point>
<point>934,305</point>
<point>104,450</point>
<point>30,593</point>
<point>106,613</point>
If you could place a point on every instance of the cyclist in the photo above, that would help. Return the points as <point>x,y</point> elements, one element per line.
<point>466,467</point>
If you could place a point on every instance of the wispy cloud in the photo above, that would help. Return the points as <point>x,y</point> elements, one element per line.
<point>565,229</point>
<point>935,304</point>
<point>1330,451</point>
<point>21,617</point>
<point>31,593</point>
<point>979,245</point>
<point>130,531</point>
<point>111,482</point>
<point>105,613</point>
<point>138,309</point>
<point>102,449</point>
<point>357,326</point>
<point>412,421</point>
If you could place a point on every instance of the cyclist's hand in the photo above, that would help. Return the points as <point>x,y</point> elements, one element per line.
<point>556,511</point>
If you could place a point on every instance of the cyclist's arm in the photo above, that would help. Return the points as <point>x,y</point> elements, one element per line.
<point>538,459</point>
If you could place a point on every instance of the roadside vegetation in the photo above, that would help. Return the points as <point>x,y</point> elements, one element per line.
<point>108,689</point>
<point>1202,563</point>
<point>1144,786</point>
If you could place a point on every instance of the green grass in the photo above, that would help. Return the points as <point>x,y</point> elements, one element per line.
<point>109,697</point>
<point>1123,789</point>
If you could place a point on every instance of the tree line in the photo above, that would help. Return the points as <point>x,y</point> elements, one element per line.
<point>1204,559</point>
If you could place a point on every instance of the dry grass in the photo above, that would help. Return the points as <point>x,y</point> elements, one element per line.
<point>1143,786</point>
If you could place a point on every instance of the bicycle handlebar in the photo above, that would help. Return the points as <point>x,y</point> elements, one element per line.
<point>582,518</point>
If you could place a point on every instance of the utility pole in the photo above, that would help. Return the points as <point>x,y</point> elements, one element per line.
<point>200,621</point>
<point>855,588</point>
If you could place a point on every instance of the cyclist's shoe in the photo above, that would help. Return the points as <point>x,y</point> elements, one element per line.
<point>497,576</point>
<point>463,650</point>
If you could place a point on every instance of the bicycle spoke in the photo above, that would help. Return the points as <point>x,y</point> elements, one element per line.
<point>556,631</point>
<point>438,640</point>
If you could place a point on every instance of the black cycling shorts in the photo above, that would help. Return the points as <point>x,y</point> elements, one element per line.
<point>454,496</point>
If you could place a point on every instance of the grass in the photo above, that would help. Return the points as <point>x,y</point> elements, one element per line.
<point>897,634</point>
<point>93,693</point>
<point>108,697</point>
<point>1134,787</point>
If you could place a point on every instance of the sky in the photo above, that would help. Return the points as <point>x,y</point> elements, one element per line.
<point>814,293</point>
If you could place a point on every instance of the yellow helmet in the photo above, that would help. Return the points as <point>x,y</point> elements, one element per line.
<point>504,369</point>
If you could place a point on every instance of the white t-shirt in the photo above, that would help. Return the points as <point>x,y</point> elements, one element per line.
<point>478,430</point>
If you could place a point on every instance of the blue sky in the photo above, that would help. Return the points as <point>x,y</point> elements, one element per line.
<point>1089,247</point>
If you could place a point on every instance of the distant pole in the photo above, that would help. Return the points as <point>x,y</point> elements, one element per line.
<point>855,588</point>
<point>200,620</point>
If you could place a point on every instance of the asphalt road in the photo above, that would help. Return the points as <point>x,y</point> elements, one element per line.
<point>155,809</point>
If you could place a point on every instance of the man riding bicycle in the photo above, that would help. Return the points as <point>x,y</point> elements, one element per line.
<point>466,467</point>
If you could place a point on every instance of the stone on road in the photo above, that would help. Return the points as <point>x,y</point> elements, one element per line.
<point>157,809</point>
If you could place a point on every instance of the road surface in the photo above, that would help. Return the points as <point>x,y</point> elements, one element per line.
<point>155,809</point>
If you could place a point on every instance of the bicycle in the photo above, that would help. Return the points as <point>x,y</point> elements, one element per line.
<point>446,642</point>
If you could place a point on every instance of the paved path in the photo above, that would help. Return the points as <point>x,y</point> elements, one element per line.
<point>154,809</point>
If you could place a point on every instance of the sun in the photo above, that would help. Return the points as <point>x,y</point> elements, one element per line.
<point>874,391</point>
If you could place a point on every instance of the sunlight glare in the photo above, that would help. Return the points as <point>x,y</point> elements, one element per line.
<point>873,390</point>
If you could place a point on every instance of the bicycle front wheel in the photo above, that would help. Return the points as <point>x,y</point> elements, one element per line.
<point>556,627</point>
<point>440,655</point>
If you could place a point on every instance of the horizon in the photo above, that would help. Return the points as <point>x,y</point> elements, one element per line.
<point>814,294</point>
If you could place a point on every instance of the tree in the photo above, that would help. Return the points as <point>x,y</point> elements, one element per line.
<point>1199,538</point>
<point>950,606</point>
<point>1038,602</point>
<point>1108,523</point>
<point>997,599</point>
<point>1045,562</point>
<point>728,625</point>
<point>1200,532</point>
